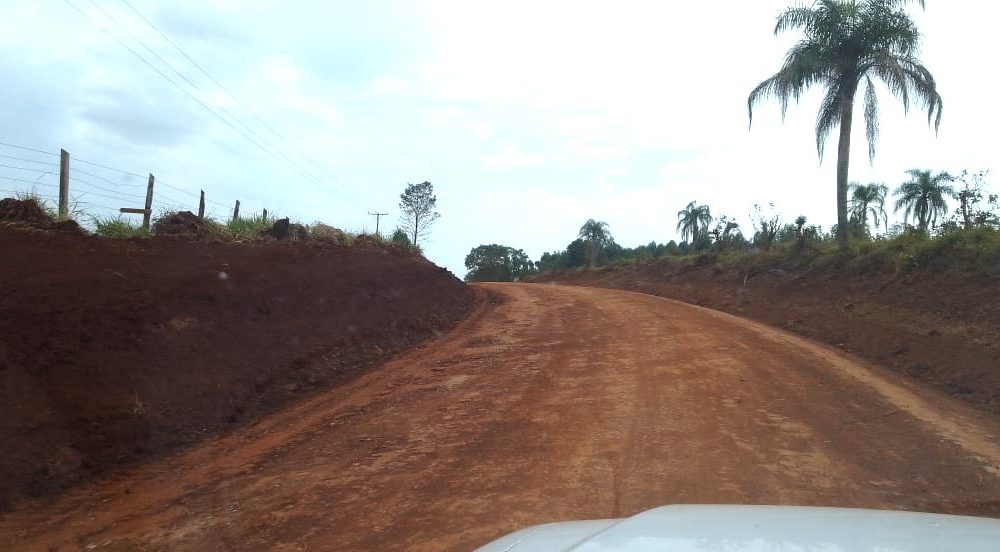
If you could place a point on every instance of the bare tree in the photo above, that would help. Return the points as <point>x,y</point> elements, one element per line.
<point>418,203</point>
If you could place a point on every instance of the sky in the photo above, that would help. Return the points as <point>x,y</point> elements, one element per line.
<point>529,117</point>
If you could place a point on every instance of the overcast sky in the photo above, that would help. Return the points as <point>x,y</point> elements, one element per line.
<point>528,117</point>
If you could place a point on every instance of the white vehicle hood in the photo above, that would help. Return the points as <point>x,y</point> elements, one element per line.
<point>761,529</point>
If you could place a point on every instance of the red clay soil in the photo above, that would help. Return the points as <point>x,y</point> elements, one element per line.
<point>559,403</point>
<point>940,328</point>
<point>113,351</point>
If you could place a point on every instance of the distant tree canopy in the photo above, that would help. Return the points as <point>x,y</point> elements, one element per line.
<point>575,254</point>
<point>596,237</point>
<point>497,263</point>
<point>417,204</point>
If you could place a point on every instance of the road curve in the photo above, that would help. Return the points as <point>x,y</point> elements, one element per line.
<point>549,403</point>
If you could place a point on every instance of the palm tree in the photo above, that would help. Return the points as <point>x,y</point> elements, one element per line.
<point>869,199</point>
<point>845,44</point>
<point>692,220</point>
<point>596,236</point>
<point>922,198</point>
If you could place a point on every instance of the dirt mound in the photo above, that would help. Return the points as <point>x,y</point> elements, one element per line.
<point>17,210</point>
<point>183,223</point>
<point>28,213</point>
<point>322,231</point>
<point>117,350</point>
<point>939,327</point>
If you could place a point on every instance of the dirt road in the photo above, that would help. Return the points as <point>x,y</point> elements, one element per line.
<point>556,403</point>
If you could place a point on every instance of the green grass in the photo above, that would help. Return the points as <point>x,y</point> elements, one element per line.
<point>961,251</point>
<point>118,227</point>
<point>248,228</point>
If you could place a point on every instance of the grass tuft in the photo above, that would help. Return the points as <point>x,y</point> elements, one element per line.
<point>118,227</point>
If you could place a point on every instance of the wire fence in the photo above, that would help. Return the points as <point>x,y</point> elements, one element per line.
<point>96,190</point>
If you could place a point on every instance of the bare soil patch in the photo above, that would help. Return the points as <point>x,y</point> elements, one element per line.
<point>940,327</point>
<point>113,351</point>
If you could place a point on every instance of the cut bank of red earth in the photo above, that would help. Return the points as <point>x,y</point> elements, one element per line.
<point>113,351</point>
<point>938,326</point>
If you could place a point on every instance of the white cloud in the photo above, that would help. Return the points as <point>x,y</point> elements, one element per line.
<point>592,152</point>
<point>512,158</point>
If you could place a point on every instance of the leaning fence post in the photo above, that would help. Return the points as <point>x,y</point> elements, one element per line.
<point>63,184</point>
<point>201,205</point>
<point>149,203</point>
<point>236,210</point>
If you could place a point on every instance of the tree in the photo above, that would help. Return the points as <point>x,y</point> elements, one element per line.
<point>693,222</point>
<point>971,196</point>
<point>923,197</point>
<point>418,203</point>
<point>766,225</point>
<point>845,44</point>
<point>595,236</point>
<point>399,237</point>
<point>869,199</point>
<point>722,235</point>
<point>497,263</point>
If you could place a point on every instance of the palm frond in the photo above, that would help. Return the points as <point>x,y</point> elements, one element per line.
<point>796,17</point>
<point>830,111</point>
<point>871,118</point>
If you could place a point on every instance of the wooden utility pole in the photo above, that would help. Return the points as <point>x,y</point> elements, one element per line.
<point>63,184</point>
<point>378,217</point>
<point>236,211</point>
<point>149,203</point>
<point>201,205</point>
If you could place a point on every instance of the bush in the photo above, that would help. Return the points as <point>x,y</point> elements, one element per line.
<point>399,237</point>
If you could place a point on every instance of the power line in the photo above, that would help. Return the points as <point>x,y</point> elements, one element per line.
<point>103,189</point>
<point>26,169</point>
<point>181,190</point>
<point>29,149</point>
<point>237,100</point>
<point>26,160</point>
<point>192,194</point>
<point>101,178</point>
<point>35,182</point>
<point>144,45</point>
<point>191,96</point>
<point>88,192</point>
<point>77,160</point>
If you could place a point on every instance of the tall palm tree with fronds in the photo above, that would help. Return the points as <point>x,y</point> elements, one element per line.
<point>869,199</point>
<point>595,236</point>
<point>922,198</point>
<point>847,44</point>
<point>693,222</point>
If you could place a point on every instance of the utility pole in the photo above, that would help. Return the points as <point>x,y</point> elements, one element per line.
<point>378,217</point>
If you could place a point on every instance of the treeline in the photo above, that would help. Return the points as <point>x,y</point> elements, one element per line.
<point>923,202</point>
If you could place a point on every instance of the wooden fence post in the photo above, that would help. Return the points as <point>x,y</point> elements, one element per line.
<point>265,215</point>
<point>63,184</point>
<point>236,211</point>
<point>201,205</point>
<point>149,203</point>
